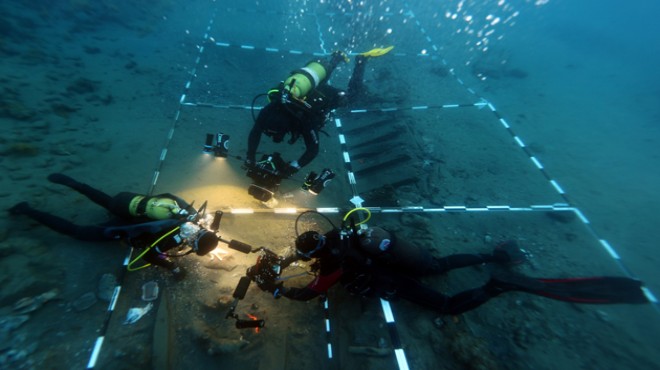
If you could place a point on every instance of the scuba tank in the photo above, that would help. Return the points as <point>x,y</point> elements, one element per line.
<point>154,208</point>
<point>294,91</point>
<point>385,248</point>
<point>302,81</point>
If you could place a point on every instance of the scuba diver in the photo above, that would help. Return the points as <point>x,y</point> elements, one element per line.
<point>372,262</point>
<point>155,224</point>
<point>301,105</point>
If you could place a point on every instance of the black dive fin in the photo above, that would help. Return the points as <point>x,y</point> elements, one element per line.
<point>594,290</point>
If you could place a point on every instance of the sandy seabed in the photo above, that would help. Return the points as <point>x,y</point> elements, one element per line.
<point>94,91</point>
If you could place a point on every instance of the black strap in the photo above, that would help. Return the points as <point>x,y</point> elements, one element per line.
<point>142,206</point>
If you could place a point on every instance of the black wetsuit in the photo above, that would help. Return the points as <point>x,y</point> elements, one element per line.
<point>276,119</point>
<point>361,274</point>
<point>140,232</point>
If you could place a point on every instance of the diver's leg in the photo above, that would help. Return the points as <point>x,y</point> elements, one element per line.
<point>96,196</point>
<point>329,64</point>
<point>505,253</point>
<point>92,233</point>
<point>356,83</point>
<point>594,290</point>
<point>448,305</point>
<point>455,261</point>
<point>466,301</point>
<point>413,291</point>
<point>422,295</point>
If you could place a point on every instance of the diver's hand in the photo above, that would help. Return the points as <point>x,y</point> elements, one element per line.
<point>248,164</point>
<point>278,292</point>
<point>291,169</point>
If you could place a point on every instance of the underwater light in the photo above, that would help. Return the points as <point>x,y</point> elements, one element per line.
<point>217,144</point>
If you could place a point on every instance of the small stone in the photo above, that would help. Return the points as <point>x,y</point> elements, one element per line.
<point>41,125</point>
<point>84,302</point>
<point>18,176</point>
<point>603,316</point>
<point>106,289</point>
<point>44,163</point>
<point>74,160</point>
<point>103,146</point>
<point>150,291</point>
<point>225,300</point>
<point>11,322</point>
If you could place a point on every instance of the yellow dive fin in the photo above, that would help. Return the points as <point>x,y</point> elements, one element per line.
<point>377,52</point>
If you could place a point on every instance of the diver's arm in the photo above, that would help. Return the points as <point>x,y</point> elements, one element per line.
<point>298,294</point>
<point>315,288</point>
<point>356,84</point>
<point>311,139</point>
<point>288,260</point>
<point>253,142</point>
<point>134,231</point>
<point>157,259</point>
<point>182,203</point>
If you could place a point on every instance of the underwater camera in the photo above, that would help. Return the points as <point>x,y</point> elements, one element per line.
<point>266,177</point>
<point>316,183</point>
<point>267,269</point>
<point>217,144</point>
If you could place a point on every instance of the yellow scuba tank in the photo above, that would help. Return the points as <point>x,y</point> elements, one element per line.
<point>162,208</point>
<point>305,79</point>
<point>134,205</point>
<point>154,208</point>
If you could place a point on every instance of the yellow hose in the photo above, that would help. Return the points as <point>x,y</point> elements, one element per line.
<point>358,209</point>
<point>129,268</point>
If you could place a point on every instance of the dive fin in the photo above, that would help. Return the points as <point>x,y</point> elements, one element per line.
<point>594,290</point>
<point>377,52</point>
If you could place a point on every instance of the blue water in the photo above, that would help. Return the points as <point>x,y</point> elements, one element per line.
<point>121,95</point>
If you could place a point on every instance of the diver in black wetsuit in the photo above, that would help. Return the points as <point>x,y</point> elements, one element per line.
<point>377,264</point>
<point>155,224</point>
<point>301,105</point>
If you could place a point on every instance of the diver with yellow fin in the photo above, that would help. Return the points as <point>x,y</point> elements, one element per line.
<point>154,224</point>
<point>300,105</point>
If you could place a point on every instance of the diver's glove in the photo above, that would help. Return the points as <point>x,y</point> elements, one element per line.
<point>508,253</point>
<point>272,287</point>
<point>278,292</point>
<point>249,163</point>
<point>291,169</point>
